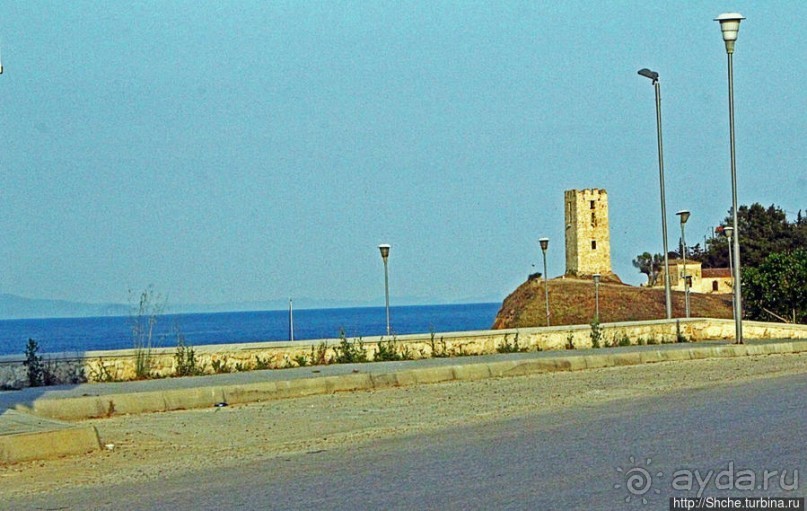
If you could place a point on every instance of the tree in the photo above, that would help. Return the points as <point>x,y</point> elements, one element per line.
<point>650,265</point>
<point>762,231</point>
<point>777,288</point>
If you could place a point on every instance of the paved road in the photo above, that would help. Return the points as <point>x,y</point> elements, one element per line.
<point>548,462</point>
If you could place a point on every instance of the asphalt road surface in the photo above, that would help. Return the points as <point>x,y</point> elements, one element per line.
<point>626,454</point>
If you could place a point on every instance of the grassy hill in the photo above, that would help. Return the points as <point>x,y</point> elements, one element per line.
<point>571,302</point>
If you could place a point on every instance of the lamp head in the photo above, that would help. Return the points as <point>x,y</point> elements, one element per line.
<point>384,248</point>
<point>728,231</point>
<point>730,26</point>
<point>596,278</point>
<point>649,74</point>
<point>684,214</point>
<point>544,243</point>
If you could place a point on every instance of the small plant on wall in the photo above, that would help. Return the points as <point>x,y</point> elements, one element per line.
<point>510,347</point>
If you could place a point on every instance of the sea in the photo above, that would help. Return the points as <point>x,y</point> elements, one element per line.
<point>77,335</point>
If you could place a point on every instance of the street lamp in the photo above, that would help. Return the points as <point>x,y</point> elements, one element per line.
<point>730,26</point>
<point>545,245</point>
<point>684,214</point>
<point>652,75</point>
<point>596,297</point>
<point>384,248</point>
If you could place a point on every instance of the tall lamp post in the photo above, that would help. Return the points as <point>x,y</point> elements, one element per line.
<point>730,26</point>
<point>684,214</point>
<point>544,246</point>
<point>384,248</point>
<point>596,297</point>
<point>667,293</point>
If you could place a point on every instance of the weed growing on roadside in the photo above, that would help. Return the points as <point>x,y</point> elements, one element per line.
<point>620,340</point>
<point>143,320</point>
<point>348,352</point>
<point>301,360</point>
<point>100,373</point>
<point>596,334</point>
<point>439,348</point>
<point>391,351</point>
<point>679,337</point>
<point>569,341</point>
<point>241,367</point>
<point>49,373</point>
<point>185,358</point>
<point>507,347</point>
<point>262,363</point>
<point>220,366</point>
<point>319,355</point>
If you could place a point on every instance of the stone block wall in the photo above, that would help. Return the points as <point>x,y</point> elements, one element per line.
<point>102,366</point>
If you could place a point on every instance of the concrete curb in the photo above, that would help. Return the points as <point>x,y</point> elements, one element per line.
<point>48,444</point>
<point>88,407</point>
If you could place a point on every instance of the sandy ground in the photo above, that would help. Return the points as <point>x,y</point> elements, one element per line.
<point>155,445</point>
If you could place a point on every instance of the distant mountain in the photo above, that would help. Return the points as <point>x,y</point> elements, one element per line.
<point>266,305</point>
<point>18,307</point>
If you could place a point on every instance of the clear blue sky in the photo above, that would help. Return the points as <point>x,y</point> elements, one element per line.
<point>234,151</point>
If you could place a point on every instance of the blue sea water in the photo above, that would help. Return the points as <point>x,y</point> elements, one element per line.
<point>70,335</point>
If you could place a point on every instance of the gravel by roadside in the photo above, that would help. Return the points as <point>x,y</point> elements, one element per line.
<point>154,445</point>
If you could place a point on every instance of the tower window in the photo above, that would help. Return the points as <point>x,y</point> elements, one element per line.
<point>593,219</point>
<point>714,285</point>
<point>593,244</point>
<point>592,204</point>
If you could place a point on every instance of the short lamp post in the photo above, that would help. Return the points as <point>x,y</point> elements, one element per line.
<point>730,26</point>
<point>684,215</point>
<point>384,248</point>
<point>652,75</point>
<point>544,246</point>
<point>596,297</point>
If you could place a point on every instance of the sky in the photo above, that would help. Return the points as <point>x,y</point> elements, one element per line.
<point>249,151</point>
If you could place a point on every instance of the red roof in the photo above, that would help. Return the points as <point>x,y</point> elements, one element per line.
<point>716,273</point>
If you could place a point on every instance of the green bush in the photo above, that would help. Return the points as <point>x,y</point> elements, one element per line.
<point>391,350</point>
<point>348,352</point>
<point>185,358</point>
<point>596,334</point>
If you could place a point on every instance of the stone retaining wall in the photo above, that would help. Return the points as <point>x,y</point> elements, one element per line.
<point>120,365</point>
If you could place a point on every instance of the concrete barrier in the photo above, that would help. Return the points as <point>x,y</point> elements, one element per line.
<point>49,444</point>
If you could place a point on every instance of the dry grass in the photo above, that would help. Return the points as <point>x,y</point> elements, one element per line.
<point>572,303</point>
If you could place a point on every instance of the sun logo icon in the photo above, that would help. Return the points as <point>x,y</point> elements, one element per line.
<point>638,481</point>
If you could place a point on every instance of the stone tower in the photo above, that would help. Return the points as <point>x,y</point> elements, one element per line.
<point>588,239</point>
